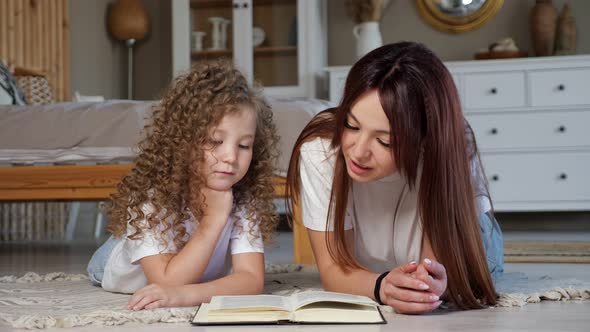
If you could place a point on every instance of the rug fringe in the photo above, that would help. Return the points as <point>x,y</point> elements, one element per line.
<point>555,294</point>
<point>35,277</point>
<point>102,318</point>
<point>62,276</point>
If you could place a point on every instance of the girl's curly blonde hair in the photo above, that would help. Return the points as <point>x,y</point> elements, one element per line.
<point>163,173</point>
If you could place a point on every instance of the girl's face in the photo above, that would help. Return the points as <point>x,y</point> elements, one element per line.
<point>366,141</point>
<point>229,152</point>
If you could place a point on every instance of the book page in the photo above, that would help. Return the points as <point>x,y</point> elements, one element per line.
<point>338,312</point>
<point>304,298</point>
<point>205,316</point>
<point>249,303</point>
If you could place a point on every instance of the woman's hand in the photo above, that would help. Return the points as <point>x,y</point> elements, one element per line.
<point>406,293</point>
<point>157,296</point>
<point>434,275</point>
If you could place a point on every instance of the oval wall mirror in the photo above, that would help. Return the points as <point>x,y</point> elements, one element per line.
<point>456,16</point>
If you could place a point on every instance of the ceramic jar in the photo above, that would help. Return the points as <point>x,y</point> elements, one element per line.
<point>543,24</point>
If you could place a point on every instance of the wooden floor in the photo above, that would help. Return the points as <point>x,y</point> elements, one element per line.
<point>16,259</point>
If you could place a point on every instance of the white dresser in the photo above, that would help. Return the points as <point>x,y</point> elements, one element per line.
<point>531,119</point>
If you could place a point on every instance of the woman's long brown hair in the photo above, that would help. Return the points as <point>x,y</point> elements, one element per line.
<point>422,105</point>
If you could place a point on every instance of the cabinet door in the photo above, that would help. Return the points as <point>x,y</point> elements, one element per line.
<point>211,26</point>
<point>278,43</point>
<point>275,42</point>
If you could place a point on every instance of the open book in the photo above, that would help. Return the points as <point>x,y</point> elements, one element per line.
<point>311,307</point>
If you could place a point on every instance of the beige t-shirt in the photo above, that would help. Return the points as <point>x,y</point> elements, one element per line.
<point>386,234</point>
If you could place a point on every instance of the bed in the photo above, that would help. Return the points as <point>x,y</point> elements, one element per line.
<point>80,151</point>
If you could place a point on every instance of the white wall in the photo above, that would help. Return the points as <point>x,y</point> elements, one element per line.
<point>99,63</point>
<point>401,21</point>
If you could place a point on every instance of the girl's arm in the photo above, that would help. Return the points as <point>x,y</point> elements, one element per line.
<point>247,278</point>
<point>189,264</point>
<point>399,289</point>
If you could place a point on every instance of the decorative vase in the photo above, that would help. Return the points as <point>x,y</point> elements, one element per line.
<point>128,19</point>
<point>218,32</point>
<point>197,40</point>
<point>368,37</point>
<point>565,43</point>
<point>543,24</point>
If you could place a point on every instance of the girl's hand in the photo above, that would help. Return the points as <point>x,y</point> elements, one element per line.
<point>406,293</point>
<point>434,275</point>
<point>157,296</point>
<point>218,203</point>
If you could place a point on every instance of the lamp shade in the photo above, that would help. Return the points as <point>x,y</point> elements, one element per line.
<point>128,19</point>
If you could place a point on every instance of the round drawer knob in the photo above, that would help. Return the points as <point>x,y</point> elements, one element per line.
<point>495,177</point>
<point>561,129</point>
<point>493,91</point>
<point>563,176</point>
<point>561,87</point>
<point>494,131</point>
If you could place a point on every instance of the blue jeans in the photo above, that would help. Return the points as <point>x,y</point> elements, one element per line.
<point>99,260</point>
<point>493,244</point>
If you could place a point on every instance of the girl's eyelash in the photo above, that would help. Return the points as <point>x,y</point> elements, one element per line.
<point>219,142</point>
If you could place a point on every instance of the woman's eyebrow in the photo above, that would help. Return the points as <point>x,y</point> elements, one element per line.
<point>378,131</point>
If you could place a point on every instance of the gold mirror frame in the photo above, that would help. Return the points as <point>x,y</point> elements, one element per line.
<point>430,12</point>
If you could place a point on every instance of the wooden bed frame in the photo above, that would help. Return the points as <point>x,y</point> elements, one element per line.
<point>97,182</point>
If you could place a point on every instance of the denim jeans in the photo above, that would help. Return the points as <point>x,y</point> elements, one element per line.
<point>99,260</point>
<point>493,244</point>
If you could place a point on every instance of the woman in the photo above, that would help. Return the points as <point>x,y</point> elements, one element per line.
<point>392,190</point>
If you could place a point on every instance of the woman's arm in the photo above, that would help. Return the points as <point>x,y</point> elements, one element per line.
<point>247,278</point>
<point>334,278</point>
<point>399,289</point>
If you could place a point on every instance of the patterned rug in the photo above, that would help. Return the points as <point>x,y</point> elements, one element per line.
<point>64,300</point>
<point>546,252</point>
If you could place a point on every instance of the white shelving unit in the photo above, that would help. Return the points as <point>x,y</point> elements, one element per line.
<point>289,63</point>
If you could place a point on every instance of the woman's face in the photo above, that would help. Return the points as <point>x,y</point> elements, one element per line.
<point>229,151</point>
<point>366,140</point>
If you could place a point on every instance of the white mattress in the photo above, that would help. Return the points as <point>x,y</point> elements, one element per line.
<point>107,132</point>
<point>76,155</point>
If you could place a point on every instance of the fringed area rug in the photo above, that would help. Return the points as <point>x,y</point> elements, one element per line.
<point>66,300</point>
<point>546,252</point>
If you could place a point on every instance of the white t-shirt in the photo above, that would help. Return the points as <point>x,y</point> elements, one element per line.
<point>386,234</point>
<point>124,274</point>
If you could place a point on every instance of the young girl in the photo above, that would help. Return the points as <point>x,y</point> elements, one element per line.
<point>392,191</point>
<point>198,202</point>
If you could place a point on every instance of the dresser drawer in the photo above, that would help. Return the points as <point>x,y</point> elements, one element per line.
<point>531,130</point>
<point>560,87</point>
<point>558,177</point>
<point>497,90</point>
